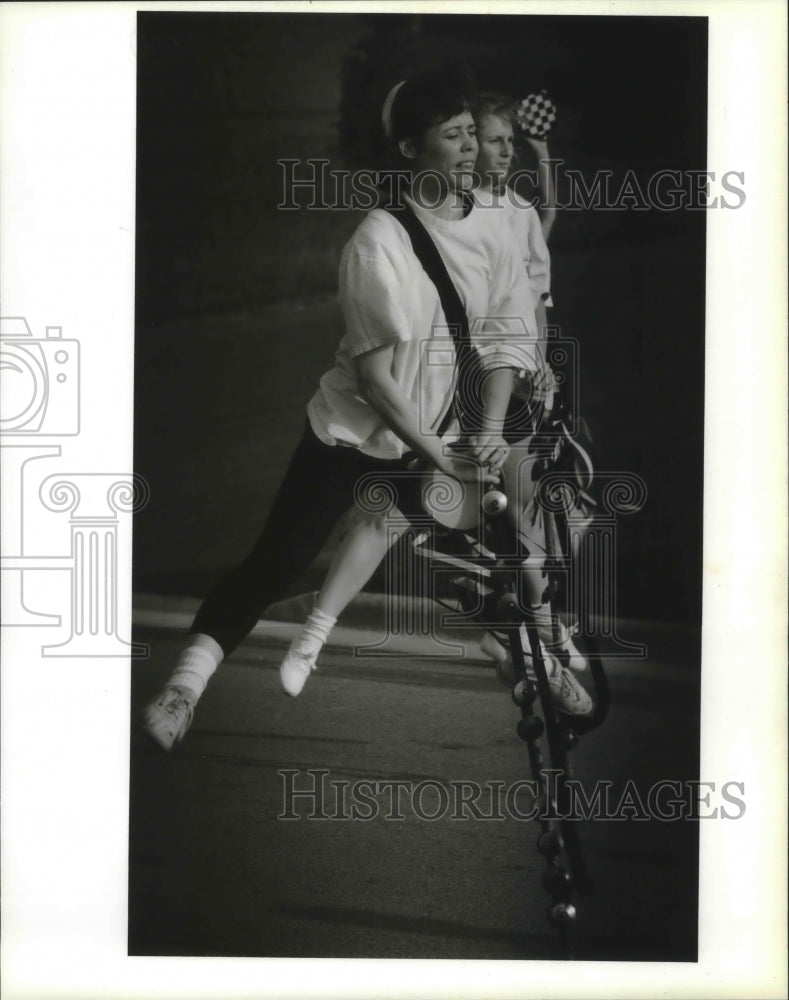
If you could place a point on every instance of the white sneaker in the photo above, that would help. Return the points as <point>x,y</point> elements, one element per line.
<point>570,697</point>
<point>167,718</point>
<point>295,670</point>
<point>568,652</point>
<point>501,655</point>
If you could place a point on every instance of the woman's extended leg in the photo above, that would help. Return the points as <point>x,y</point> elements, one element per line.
<point>317,489</point>
<point>362,547</point>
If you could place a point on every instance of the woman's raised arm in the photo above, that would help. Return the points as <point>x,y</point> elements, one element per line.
<point>544,185</point>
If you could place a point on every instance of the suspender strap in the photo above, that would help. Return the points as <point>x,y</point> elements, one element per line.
<point>466,359</point>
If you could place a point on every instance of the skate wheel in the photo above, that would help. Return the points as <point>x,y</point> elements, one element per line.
<point>561,914</point>
<point>557,881</point>
<point>524,693</point>
<point>549,844</point>
<point>531,728</point>
<point>507,608</point>
<point>494,502</point>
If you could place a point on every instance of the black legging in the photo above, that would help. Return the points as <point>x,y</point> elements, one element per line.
<point>319,486</point>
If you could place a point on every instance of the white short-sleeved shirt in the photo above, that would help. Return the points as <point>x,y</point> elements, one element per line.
<point>387,298</point>
<point>524,220</point>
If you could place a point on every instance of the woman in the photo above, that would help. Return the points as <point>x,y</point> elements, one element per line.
<point>382,400</point>
<point>495,120</point>
<point>365,544</point>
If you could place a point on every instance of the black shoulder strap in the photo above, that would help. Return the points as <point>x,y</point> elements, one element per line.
<point>454,311</point>
<point>435,268</point>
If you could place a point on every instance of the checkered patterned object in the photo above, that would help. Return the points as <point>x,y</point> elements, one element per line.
<point>536,115</point>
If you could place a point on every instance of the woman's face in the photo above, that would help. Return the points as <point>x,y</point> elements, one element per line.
<point>496,150</point>
<point>449,149</point>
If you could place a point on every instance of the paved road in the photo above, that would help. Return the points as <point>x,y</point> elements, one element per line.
<point>214,871</point>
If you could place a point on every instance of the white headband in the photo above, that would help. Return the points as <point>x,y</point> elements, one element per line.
<point>386,111</point>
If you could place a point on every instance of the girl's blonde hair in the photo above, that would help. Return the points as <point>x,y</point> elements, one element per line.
<point>488,104</point>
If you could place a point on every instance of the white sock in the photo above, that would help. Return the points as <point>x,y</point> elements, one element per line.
<point>552,665</point>
<point>314,634</point>
<point>541,616</point>
<point>194,669</point>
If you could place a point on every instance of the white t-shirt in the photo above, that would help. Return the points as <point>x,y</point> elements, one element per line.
<point>524,220</point>
<point>387,298</point>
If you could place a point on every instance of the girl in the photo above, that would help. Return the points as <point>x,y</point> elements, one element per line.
<point>495,129</point>
<point>381,400</point>
<point>495,120</point>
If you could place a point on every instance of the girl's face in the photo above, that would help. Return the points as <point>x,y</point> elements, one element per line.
<point>448,149</point>
<point>496,150</point>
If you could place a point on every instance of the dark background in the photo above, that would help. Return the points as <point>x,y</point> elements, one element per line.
<point>236,315</point>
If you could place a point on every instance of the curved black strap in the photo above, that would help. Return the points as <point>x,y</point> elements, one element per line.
<point>467,360</point>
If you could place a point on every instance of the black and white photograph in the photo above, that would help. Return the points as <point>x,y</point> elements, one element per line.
<point>334,677</point>
<point>429,607</point>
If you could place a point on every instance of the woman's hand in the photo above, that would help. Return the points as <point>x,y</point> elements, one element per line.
<point>467,470</point>
<point>490,450</point>
<point>540,146</point>
<point>545,185</point>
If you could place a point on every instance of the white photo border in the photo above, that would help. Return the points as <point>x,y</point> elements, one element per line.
<point>67,87</point>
